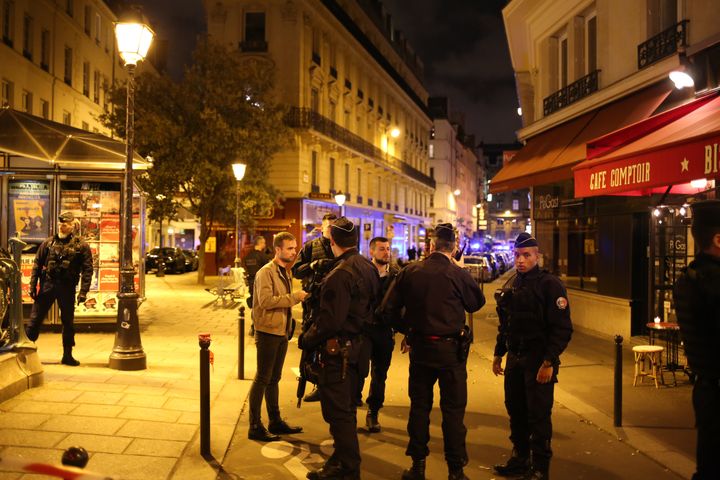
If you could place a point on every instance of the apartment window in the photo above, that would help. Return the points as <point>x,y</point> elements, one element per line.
<point>432,171</point>
<point>333,111</point>
<point>516,204</point>
<point>27,101</point>
<point>7,93</point>
<point>563,61</point>
<point>98,28</point>
<point>70,7</point>
<point>45,50</point>
<point>96,87</point>
<point>431,150</point>
<point>255,27</point>
<point>45,109</point>
<point>314,170</point>
<point>88,20</point>
<point>661,15</point>
<point>86,79</point>
<point>591,47</point>
<point>28,37</point>
<point>85,126</point>
<point>68,65</point>
<point>359,181</point>
<point>332,174</point>
<point>8,21</point>
<point>67,119</point>
<point>315,100</point>
<point>347,178</point>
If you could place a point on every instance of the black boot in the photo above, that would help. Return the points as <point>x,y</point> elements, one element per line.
<point>457,473</point>
<point>371,422</point>
<point>536,474</point>
<point>67,358</point>
<point>517,464</point>
<point>333,471</point>
<point>417,471</point>
<point>260,433</point>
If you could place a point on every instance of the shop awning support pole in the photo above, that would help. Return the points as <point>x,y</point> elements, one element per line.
<point>128,353</point>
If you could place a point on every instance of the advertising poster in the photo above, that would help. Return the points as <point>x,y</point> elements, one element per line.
<point>29,202</point>
<point>90,229</point>
<point>98,303</point>
<point>110,202</point>
<point>110,230</point>
<point>26,265</point>
<point>109,254</point>
<point>109,279</point>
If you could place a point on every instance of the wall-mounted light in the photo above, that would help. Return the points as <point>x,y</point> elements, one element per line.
<point>681,79</point>
<point>700,183</point>
<point>519,111</point>
<point>457,192</point>
<point>489,197</point>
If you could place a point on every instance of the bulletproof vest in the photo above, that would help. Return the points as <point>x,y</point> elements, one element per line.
<point>318,252</point>
<point>61,258</point>
<point>362,296</point>
<point>697,300</point>
<point>525,320</point>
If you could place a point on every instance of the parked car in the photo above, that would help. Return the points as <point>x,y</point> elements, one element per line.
<point>191,260</point>
<point>493,264</point>
<point>173,257</point>
<point>501,262</point>
<point>479,268</point>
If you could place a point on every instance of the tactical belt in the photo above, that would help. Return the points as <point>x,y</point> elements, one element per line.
<point>438,338</point>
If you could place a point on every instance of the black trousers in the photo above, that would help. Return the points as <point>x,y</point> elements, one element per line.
<point>381,345</point>
<point>337,395</point>
<point>706,402</point>
<point>64,294</point>
<point>271,351</point>
<point>529,405</point>
<point>432,362</point>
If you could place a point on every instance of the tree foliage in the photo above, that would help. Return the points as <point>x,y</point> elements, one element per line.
<point>223,111</point>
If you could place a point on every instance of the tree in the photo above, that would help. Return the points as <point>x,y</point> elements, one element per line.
<point>222,111</point>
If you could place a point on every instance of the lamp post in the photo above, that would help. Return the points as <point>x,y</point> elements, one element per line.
<point>340,200</point>
<point>161,256</point>
<point>133,39</point>
<point>239,172</point>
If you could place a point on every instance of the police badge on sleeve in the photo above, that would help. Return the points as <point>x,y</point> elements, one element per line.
<point>561,303</point>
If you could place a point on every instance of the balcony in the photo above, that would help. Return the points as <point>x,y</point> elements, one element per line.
<point>581,88</point>
<point>254,46</point>
<point>662,45</point>
<point>306,118</point>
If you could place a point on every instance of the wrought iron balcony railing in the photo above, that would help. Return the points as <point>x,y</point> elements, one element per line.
<point>247,46</point>
<point>580,88</point>
<point>662,45</point>
<point>306,118</point>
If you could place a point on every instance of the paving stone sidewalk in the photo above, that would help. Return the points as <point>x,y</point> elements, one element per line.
<point>135,425</point>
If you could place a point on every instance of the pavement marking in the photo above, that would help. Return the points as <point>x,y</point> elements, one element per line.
<point>277,450</point>
<point>296,371</point>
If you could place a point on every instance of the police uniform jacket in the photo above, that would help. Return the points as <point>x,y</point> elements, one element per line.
<point>63,261</point>
<point>254,261</point>
<point>534,317</point>
<point>383,318</point>
<point>435,294</point>
<point>348,297</point>
<point>697,303</point>
<point>317,249</point>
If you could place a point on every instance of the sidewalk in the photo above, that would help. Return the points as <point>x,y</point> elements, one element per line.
<point>135,425</point>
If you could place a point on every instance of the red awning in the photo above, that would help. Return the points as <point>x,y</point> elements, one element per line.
<point>683,150</point>
<point>550,156</point>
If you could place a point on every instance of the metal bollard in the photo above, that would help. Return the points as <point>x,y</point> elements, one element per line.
<point>241,344</point>
<point>204,341</point>
<point>617,420</point>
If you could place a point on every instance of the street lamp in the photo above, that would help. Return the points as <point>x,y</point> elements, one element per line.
<point>239,172</point>
<point>161,257</point>
<point>340,200</point>
<point>133,39</point>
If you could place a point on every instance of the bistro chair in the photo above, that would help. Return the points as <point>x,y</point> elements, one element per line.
<point>648,363</point>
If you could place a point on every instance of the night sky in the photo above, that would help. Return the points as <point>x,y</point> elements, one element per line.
<point>461,43</point>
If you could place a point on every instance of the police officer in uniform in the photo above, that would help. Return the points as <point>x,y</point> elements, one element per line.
<point>535,328</point>
<point>435,294</point>
<point>697,303</point>
<point>348,298</point>
<point>379,334</point>
<point>316,259</point>
<point>59,264</point>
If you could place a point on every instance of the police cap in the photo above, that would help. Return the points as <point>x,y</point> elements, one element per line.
<point>444,231</point>
<point>706,214</point>
<point>66,217</point>
<point>344,233</point>
<point>525,240</point>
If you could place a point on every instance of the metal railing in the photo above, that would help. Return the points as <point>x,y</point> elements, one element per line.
<point>662,45</point>
<point>306,118</point>
<point>247,46</point>
<point>580,88</point>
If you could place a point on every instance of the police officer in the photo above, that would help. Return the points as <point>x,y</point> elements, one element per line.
<point>534,330</point>
<point>60,262</point>
<point>435,294</point>
<point>316,259</point>
<point>697,302</point>
<point>347,302</point>
<point>379,334</point>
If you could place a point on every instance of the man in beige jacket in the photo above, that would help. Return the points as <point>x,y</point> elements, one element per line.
<point>273,299</point>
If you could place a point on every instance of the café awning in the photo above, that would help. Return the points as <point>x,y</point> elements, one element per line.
<point>550,156</point>
<point>677,153</point>
<point>25,135</point>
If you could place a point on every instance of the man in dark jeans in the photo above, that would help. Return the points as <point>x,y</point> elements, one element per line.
<point>272,315</point>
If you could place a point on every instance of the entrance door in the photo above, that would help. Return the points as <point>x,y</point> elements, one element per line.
<point>639,289</point>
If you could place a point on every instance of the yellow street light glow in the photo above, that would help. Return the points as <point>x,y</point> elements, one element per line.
<point>134,40</point>
<point>395,132</point>
<point>239,170</point>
